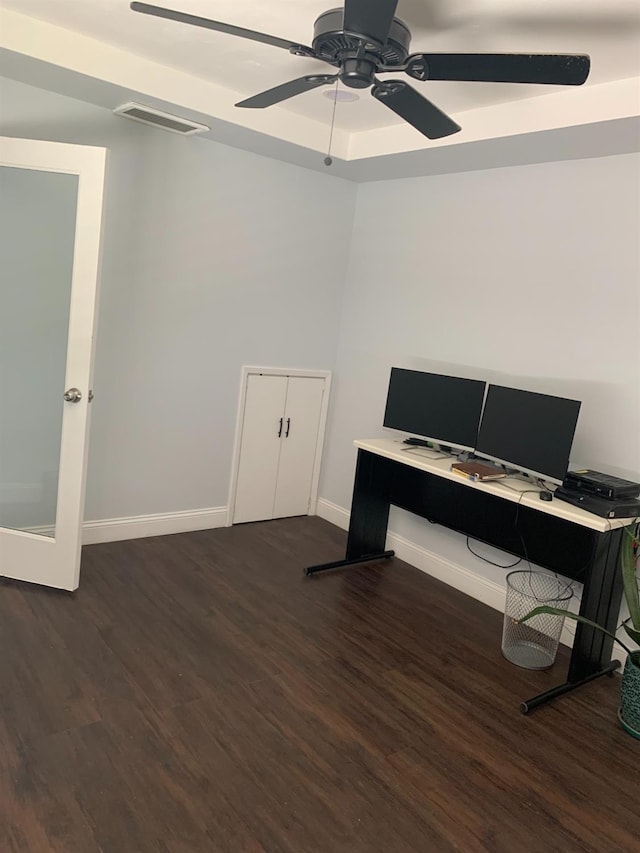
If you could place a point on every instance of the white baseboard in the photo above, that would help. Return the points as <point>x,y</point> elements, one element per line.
<point>160,524</point>
<point>333,513</point>
<point>457,576</point>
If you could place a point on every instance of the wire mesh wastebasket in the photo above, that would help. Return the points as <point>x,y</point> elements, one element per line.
<point>534,644</point>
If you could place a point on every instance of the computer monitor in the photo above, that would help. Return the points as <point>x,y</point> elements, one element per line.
<point>528,431</point>
<point>442,409</point>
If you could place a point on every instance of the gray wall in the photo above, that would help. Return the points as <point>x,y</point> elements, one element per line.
<point>213,258</point>
<point>526,275</point>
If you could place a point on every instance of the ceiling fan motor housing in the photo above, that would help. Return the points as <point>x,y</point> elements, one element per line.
<point>357,55</point>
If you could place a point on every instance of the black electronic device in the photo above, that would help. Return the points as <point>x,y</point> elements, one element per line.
<point>363,39</point>
<point>443,409</point>
<point>604,507</point>
<point>529,431</point>
<point>546,495</point>
<point>604,485</point>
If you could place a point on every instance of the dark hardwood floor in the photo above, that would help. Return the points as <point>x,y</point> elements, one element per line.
<point>199,694</point>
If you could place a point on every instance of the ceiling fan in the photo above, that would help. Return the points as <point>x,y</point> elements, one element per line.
<point>365,39</point>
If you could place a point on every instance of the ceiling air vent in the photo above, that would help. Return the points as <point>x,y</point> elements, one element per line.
<point>165,121</point>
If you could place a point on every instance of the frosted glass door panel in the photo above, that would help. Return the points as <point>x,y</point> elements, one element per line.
<point>37,235</point>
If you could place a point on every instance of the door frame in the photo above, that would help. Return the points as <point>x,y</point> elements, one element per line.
<point>251,370</point>
<point>35,553</point>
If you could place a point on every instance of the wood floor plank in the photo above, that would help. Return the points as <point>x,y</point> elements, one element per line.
<point>39,806</point>
<point>41,692</point>
<point>198,694</point>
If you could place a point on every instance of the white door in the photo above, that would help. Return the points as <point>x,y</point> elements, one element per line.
<point>298,447</point>
<point>263,426</point>
<point>50,226</point>
<point>281,426</point>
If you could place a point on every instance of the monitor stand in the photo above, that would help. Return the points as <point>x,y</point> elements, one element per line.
<point>425,452</point>
<point>414,441</point>
<point>417,442</point>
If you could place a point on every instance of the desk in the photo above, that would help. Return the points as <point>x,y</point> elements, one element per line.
<point>554,535</point>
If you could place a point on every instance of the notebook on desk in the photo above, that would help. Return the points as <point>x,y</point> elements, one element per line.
<point>478,471</point>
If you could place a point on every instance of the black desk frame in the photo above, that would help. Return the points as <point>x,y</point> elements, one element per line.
<point>574,551</point>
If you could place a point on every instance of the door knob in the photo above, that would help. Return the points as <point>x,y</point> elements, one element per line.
<point>73,395</point>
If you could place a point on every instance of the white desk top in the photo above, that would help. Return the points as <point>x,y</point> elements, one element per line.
<point>510,488</point>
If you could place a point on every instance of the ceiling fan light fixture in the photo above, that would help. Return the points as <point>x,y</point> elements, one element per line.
<point>340,95</point>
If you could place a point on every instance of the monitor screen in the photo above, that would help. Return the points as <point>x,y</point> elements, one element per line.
<point>444,409</point>
<point>532,432</point>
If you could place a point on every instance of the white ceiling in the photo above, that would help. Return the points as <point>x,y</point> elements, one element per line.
<point>608,30</point>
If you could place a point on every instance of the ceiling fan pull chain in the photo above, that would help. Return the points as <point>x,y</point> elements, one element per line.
<point>327,160</point>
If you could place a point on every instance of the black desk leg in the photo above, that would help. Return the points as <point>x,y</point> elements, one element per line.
<point>548,695</point>
<point>369,513</point>
<point>340,564</point>
<point>601,598</point>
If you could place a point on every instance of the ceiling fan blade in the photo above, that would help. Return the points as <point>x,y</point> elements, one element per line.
<point>414,108</point>
<point>287,90</point>
<point>554,69</point>
<point>373,18</point>
<point>218,26</point>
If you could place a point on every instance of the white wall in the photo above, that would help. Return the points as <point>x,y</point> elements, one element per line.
<point>213,258</point>
<point>527,275</point>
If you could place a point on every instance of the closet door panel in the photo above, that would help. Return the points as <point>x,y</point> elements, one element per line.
<point>260,448</point>
<point>299,440</point>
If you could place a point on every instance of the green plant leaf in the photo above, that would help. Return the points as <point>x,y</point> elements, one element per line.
<point>632,632</point>
<point>630,583</point>
<point>557,611</point>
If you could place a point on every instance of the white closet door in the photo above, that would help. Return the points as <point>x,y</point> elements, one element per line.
<point>260,447</point>
<point>299,440</point>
